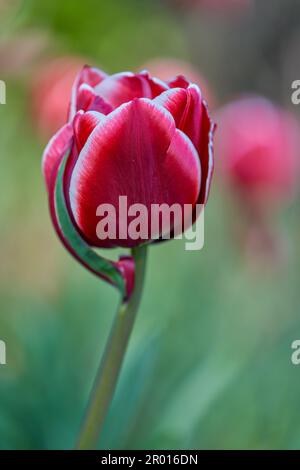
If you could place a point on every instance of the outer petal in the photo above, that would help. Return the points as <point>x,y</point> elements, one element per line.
<point>55,150</point>
<point>134,152</point>
<point>185,105</point>
<point>191,116</point>
<point>125,265</point>
<point>123,87</point>
<point>174,101</point>
<point>191,119</point>
<point>84,124</point>
<point>198,126</point>
<point>206,152</point>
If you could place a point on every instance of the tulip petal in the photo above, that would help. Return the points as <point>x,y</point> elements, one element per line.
<point>157,86</point>
<point>91,76</point>
<point>185,105</point>
<point>55,150</point>
<point>190,122</point>
<point>84,124</point>
<point>87,100</point>
<point>88,75</point>
<point>206,151</point>
<point>120,274</point>
<point>85,97</point>
<point>174,101</point>
<point>184,162</point>
<point>134,152</point>
<point>123,87</point>
<point>178,82</point>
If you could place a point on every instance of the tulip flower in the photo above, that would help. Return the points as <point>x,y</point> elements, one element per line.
<point>127,135</point>
<point>259,148</point>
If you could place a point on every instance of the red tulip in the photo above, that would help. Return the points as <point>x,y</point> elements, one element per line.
<point>131,135</point>
<point>259,147</point>
<point>50,93</point>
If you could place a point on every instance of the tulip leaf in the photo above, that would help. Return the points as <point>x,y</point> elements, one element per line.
<point>85,254</point>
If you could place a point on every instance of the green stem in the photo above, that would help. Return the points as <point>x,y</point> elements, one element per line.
<point>111,363</point>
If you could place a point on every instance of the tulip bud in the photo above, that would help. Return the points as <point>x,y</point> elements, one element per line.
<point>128,135</point>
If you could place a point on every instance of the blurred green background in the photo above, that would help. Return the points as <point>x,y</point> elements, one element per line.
<point>209,364</point>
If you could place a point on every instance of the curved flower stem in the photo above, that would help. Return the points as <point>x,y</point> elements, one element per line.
<point>111,363</point>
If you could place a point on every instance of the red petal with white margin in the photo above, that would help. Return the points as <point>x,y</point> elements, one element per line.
<point>178,82</point>
<point>174,101</point>
<point>191,117</point>
<point>157,86</point>
<point>90,76</point>
<point>84,124</point>
<point>185,105</point>
<point>206,152</point>
<point>134,152</point>
<point>123,87</point>
<point>55,150</point>
<point>125,263</point>
<point>87,100</point>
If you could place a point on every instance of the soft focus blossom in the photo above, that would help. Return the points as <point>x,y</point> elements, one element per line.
<point>131,135</point>
<point>259,147</point>
<point>50,93</point>
<point>166,68</point>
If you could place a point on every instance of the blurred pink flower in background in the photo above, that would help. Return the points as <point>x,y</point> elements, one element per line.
<point>258,149</point>
<point>50,93</point>
<point>166,69</point>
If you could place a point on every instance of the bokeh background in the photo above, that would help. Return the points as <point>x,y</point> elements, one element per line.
<point>209,363</point>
